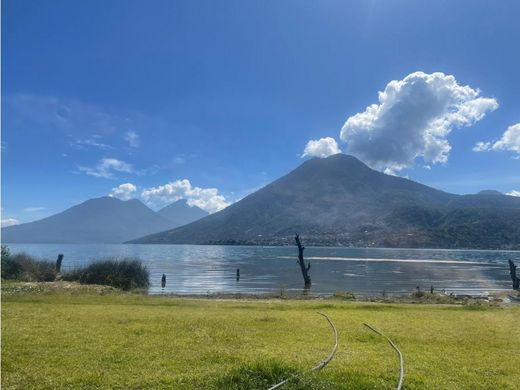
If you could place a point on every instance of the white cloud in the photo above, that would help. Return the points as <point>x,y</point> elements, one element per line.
<point>106,168</point>
<point>390,171</point>
<point>83,144</point>
<point>481,146</point>
<point>321,148</point>
<point>9,222</point>
<point>510,141</point>
<point>133,139</point>
<point>34,209</point>
<point>513,193</point>
<point>412,120</point>
<point>206,198</point>
<point>124,191</point>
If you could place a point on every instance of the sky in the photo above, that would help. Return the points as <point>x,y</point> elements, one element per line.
<point>211,100</point>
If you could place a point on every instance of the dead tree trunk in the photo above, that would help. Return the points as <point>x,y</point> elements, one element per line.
<point>301,262</point>
<point>514,278</point>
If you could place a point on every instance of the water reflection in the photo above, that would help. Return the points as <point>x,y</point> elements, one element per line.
<point>193,269</point>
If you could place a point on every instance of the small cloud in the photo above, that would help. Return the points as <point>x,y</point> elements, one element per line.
<point>132,138</point>
<point>84,144</point>
<point>179,160</point>
<point>513,193</point>
<point>124,191</point>
<point>389,171</point>
<point>412,119</point>
<point>207,199</point>
<point>510,141</point>
<point>481,146</point>
<point>9,222</point>
<point>33,209</point>
<point>323,147</point>
<point>106,168</point>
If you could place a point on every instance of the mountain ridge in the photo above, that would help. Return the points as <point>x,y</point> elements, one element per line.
<point>341,201</point>
<point>99,220</point>
<point>180,213</point>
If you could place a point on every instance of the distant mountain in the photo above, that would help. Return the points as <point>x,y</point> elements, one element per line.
<point>100,220</point>
<point>341,201</point>
<point>490,192</point>
<point>180,213</point>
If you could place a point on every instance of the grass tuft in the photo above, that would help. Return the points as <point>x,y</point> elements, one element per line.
<point>25,268</point>
<point>258,375</point>
<point>126,274</point>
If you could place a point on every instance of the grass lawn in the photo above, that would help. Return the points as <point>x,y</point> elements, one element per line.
<point>128,341</point>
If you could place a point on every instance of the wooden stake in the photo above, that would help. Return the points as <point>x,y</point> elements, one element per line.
<point>301,262</point>
<point>514,278</point>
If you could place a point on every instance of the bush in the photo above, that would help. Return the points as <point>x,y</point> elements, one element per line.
<point>418,293</point>
<point>125,274</point>
<point>10,269</point>
<point>26,268</point>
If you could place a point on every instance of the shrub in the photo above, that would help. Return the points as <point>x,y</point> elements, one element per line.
<point>418,293</point>
<point>10,269</point>
<point>25,268</point>
<point>125,274</point>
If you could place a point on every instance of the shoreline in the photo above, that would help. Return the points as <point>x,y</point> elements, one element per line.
<point>11,288</point>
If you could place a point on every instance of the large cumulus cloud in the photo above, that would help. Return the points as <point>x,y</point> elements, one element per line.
<point>412,120</point>
<point>207,199</point>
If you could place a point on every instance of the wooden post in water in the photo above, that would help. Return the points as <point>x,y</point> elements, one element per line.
<point>301,262</point>
<point>163,281</point>
<point>58,263</point>
<point>238,274</point>
<point>514,278</point>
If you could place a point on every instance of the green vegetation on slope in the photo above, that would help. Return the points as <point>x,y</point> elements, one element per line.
<point>131,341</point>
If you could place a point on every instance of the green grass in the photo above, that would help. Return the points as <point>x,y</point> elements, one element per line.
<point>128,341</point>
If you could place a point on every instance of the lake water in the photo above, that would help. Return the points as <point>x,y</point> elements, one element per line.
<point>196,269</point>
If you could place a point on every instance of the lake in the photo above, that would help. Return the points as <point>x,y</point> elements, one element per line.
<point>201,269</point>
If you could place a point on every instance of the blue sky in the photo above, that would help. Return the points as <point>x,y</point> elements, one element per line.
<point>212,100</point>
